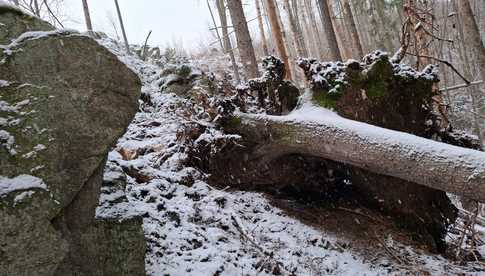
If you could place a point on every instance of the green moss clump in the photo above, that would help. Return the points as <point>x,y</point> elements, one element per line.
<point>378,76</point>
<point>325,99</point>
<point>376,89</point>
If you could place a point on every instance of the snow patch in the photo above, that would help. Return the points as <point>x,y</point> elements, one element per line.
<point>33,35</point>
<point>22,196</point>
<point>21,182</point>
<point>8,141</point>
<point>4,83</point>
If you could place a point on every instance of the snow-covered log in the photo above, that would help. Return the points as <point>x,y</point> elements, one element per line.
<point>319,132</point>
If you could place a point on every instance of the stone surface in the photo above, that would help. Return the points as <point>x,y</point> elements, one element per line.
<point>64,101</point>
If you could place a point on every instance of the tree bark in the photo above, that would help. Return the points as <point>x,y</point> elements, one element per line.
<point>120,18</point>
<point>455,170</point>
<point>87,16</point>
<point>349,18</point>
<point>277,34</point>
<point>329,30</point>
<point>297,34</point>
<point>244,41</point>
<point>261,28</point>
<point>472,35</point>
<point>221,8</point>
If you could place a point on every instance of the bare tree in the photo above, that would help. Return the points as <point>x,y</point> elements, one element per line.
<point>221,8</point>
<point>277,35</point>
<point>87,16</point>
<point>329,30</point>
<point>244,41</point>
<point>127,45</point>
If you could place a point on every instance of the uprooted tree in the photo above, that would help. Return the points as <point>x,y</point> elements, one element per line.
<point>390,168</point>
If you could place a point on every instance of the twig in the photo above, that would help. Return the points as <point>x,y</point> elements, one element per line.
<point>52,14</point>
<point>461,86</point>
<point>269,254</point>
<point>446,63</point>
<point>360,213</point>
<point>388,250</point>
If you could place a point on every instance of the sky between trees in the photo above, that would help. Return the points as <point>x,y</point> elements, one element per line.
<point>172,21</point>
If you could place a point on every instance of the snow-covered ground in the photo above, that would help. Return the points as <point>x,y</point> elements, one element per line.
<point>192,228</point>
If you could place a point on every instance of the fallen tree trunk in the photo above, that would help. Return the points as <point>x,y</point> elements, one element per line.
<point>318,132</point>
<point>314,154</point>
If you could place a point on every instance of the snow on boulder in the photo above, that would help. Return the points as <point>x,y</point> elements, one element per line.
<point>64,101</point>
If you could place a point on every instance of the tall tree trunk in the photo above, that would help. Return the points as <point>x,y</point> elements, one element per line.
<point>244,42</point>
<point>297,34</point>
<point>36,8</point>
<point>289,42</point>
<point>87,16</point>
<point>482,18</point>
<point>349,18</point>
<point>295,5</point>
<point>261,28</point>
<point>216,28</point>
<point>310,34</point>
<point>122,26</point>
<point>313,23</point>
<point>385,23</point>
<point>470,37</point>
<point>221,8</point>
<point>277,35</point>
<point>329,30</point>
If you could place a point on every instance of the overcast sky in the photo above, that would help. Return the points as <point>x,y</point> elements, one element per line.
<point>180,21</point>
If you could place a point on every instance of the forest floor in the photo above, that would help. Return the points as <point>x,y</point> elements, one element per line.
<point>192,228</point>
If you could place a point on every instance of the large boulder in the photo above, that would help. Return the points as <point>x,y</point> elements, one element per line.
<point>64,101</point>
